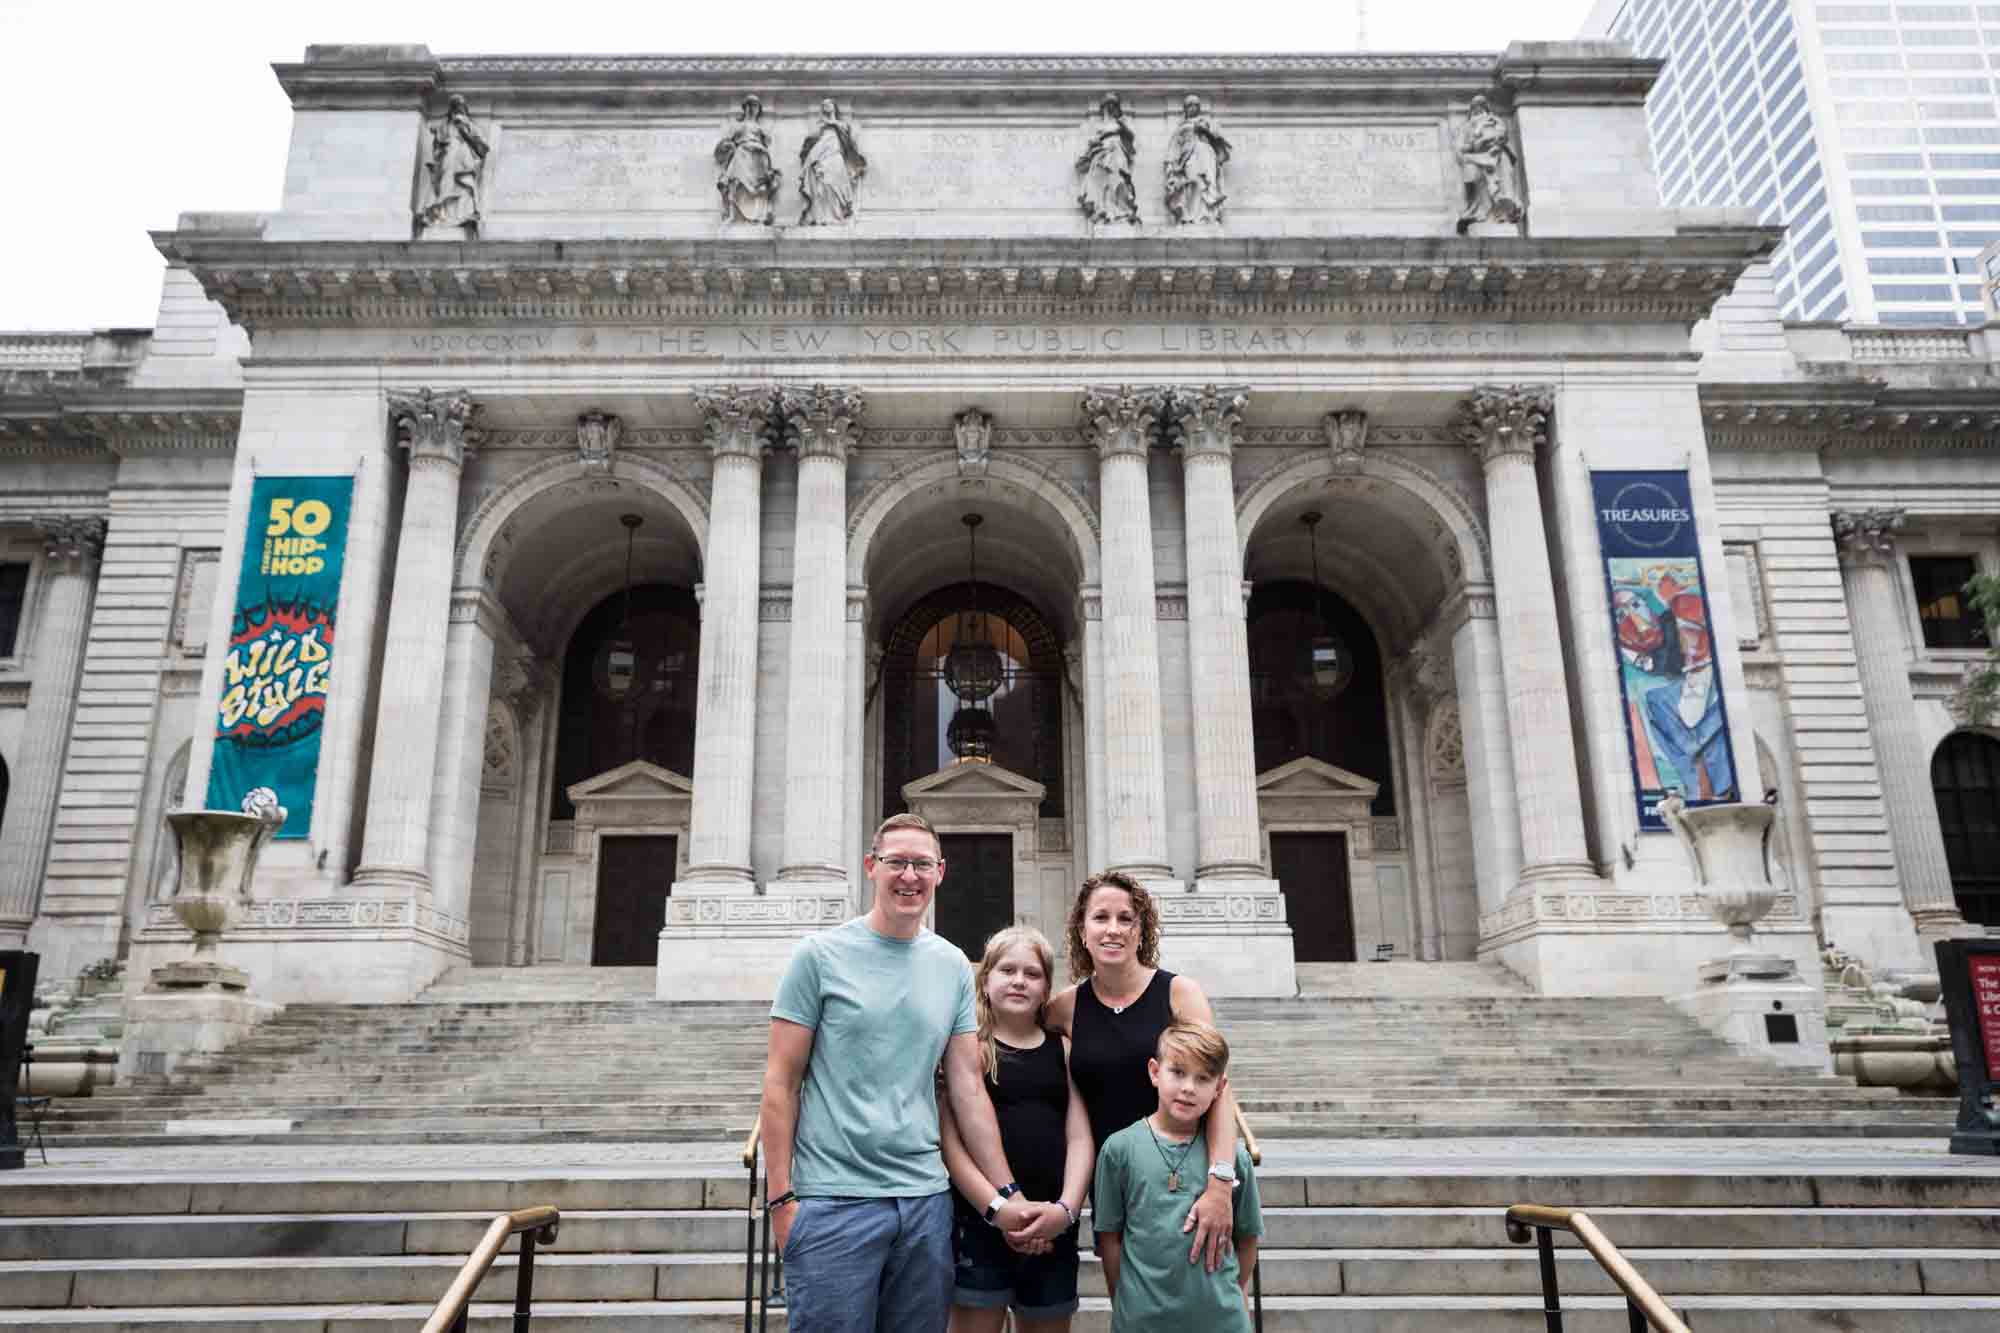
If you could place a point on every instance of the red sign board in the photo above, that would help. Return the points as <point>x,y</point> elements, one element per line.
<point>1985,970</point>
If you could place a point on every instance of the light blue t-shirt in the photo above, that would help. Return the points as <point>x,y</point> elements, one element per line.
<point>881,1011</point>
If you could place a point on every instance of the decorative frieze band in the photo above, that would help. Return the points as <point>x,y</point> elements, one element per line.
<point>1612,910</point>
<point>692,911</point>
<point>269,916</point>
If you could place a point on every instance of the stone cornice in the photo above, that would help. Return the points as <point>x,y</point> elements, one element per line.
<point>307,284</point>
<point>88,420</point>
<point>1851,415</point>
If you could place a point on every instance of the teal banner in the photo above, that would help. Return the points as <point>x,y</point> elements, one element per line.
<point>275,678</point>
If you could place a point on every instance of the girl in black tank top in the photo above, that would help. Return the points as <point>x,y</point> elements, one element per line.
<point>1109,1049</point>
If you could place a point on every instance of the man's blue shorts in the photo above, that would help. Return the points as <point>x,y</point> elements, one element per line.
<point>991,1276</point>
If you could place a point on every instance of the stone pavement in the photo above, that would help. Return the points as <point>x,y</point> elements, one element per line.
<point>1373,1157</point>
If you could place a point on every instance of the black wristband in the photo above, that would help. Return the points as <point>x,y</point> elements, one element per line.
<point>787,1197</point>
<point>1009,1190</point>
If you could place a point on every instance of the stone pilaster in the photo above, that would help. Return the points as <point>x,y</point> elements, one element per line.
<point>739,422</point>
<point>1203,427</point>
<point>435,429</point>
<point>1120,422</point>
<point>1096,790</point>
<point>1868,577</point>
<point>1505,425</point>
<point>822,423</point>
<point>71,548</point>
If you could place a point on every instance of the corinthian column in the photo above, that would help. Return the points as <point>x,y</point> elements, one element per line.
<point>1504,426</point>
<point>738,422</point>
<point>436,430</point>
<point>821,423</point>
<point>70,548</point>
<point>1204,425</point>
<point>1875,607</point>
<point>1120,423</point>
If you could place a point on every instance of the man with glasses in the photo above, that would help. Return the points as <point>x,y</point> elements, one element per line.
<point>860,1202</point>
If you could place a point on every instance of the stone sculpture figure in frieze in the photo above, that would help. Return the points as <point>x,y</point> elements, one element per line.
<point>597,436</point>
<point>1195,158</point>
<point>1104,168</point>
<point>746,179</point>
<point>830,167</point>
<point>973,430</point>
<point>453,173</point>
<point>1488,169</point>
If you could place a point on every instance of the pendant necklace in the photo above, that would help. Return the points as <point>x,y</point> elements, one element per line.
<point>1120,1008</point>
<point>1173,1164</point>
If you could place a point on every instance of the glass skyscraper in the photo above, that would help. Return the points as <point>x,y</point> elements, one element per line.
<point>1871,129</point>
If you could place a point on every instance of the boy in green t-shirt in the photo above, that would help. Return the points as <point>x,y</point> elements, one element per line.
<point>1147,1175</point>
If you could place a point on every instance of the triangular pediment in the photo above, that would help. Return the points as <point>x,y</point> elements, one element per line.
<point>1307,776</point>
<point>637,780</point>
<point>974,780</point>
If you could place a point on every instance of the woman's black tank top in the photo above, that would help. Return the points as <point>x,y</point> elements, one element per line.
<point>1108,1053</point>
<point>1031,1102</point>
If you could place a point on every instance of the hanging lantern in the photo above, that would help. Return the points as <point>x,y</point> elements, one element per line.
<point>1329,664</point>
<point>618,660</point>
<point>973,669</point>
<point>971,734</point>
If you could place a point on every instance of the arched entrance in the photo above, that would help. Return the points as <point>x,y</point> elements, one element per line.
<point>1013,821</point>
<point>1965,774</point>
<point>1369,843</point>
<point>549,546</point>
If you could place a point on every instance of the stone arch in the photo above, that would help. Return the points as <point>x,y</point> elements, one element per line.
<point>1035,482</point>
<point>486,533</point>
<point>1467,544</point>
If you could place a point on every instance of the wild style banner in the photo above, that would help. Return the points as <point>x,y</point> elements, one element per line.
<point>274,680</point>
<point>1665,637</point>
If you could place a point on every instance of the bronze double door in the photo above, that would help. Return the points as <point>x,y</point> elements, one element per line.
<point>1311,869</point>
<point>635,876</point>
<point>977,895</point>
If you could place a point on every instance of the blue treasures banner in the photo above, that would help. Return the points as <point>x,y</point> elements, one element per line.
<point>274,680</point>
<point>1665,635</point>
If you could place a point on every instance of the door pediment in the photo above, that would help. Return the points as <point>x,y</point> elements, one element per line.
<point>637,794</point>
<point>1312,791</point>
<point>976,796</point>
<point>983,780</point>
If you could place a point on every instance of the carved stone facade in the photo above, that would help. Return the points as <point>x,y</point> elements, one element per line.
<point>803,363</point>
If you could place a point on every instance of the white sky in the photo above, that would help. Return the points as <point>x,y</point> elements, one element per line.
<point>118,115</point>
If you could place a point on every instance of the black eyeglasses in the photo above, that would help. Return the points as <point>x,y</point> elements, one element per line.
<point>922,865</point>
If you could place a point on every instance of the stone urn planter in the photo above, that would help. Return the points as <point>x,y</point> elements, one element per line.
<point>1725,843</point>
<point>218,854</point>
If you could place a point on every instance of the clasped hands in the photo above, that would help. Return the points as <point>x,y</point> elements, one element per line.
<point>1029,1227</point>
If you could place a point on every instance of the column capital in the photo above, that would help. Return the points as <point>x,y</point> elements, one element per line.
<point>1505,420</point>
<point>435,427</point>
<point>70,540</point>
<point>1866,536</point>
<point>823,421</point>
<point>739,420</point>
<point>1347,436</point>
<point>1121,420</point>
<point>1203,422</point>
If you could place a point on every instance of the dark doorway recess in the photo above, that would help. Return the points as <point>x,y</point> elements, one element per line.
<point>634,877</point>
<point>654,720</point>
<point>1311,868</point>
<point>977,895</point>
<point>1965,774</point>
<point>1288,716</point>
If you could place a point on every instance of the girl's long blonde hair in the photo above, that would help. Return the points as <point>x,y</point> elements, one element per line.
<point>997,946</point>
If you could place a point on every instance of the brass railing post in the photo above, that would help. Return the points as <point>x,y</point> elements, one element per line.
<point>1643,1306</point>
<point>539,1223</point>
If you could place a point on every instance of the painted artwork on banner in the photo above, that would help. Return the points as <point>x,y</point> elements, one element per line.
<point>1662,624</point>
<point>281,638</point>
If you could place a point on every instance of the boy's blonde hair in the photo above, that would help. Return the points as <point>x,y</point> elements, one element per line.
<point>997,945</point>
<point>1197,1043</point>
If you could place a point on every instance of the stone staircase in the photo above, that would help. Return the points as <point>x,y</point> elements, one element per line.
<point>500,1055</point>
<point>1392,1250</point>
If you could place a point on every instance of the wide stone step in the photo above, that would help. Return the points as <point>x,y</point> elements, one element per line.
<point>1282,1314</point>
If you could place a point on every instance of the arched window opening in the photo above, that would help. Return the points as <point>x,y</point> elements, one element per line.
<point>918,701</point>
<point>1965,774</point>
<point>615,710</point>
<point>1299,706</point>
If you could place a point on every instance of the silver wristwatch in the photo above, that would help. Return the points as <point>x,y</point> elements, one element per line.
<point>1225,1171</point>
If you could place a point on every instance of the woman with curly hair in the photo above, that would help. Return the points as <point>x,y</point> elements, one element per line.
<point>1114,1015</point>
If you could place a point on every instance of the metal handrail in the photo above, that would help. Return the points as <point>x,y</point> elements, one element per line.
<point>538,1223</point>
<point>1249,1138</point>
<point>1643,1306</point>
<point>758,1261</point>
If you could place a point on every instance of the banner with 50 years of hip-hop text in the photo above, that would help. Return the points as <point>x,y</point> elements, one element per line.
<point>280,656</point>
<point>1665,639</point>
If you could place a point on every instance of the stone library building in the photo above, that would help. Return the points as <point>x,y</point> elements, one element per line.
<point>1334,489</point>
